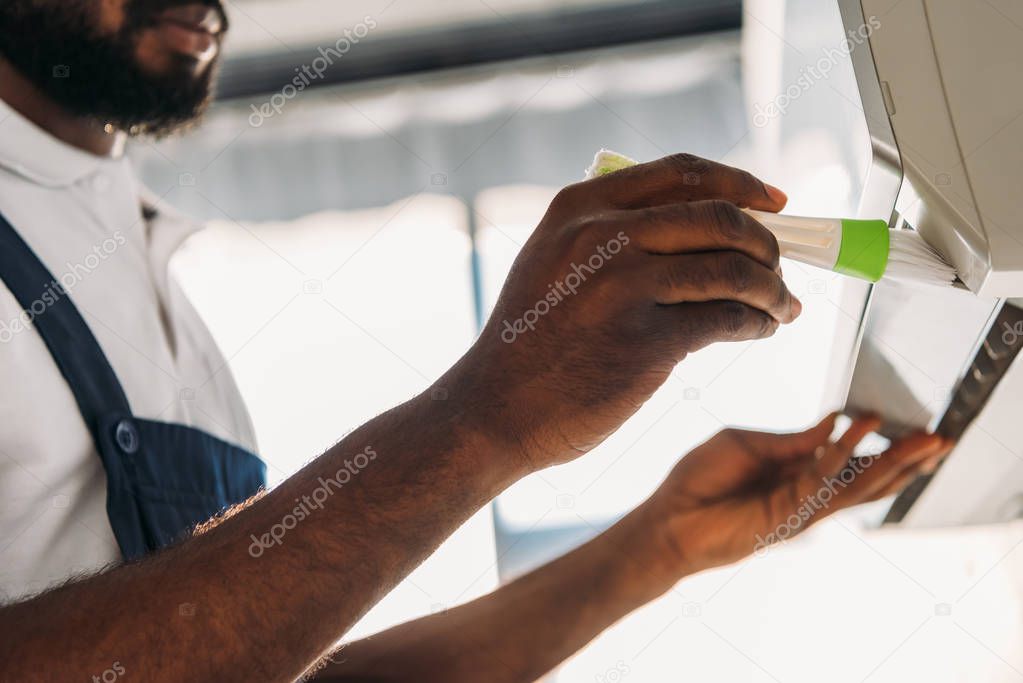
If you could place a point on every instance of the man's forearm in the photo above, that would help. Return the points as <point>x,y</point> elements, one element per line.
<point>526,628</point>
<point>263,594</point>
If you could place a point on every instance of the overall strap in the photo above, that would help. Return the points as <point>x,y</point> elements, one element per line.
<point>70,341</point>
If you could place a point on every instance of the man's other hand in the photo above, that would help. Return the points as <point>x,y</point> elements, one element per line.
<point>742,491</point>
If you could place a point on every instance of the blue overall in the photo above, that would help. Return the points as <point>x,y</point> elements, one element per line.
<point>162,478</point>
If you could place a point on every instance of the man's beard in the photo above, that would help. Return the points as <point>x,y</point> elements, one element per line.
<point>97,76</point>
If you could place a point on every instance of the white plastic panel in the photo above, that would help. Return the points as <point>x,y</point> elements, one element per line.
<point>949,70</point>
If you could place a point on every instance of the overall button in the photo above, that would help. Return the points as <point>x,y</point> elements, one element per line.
<point>127,437</point>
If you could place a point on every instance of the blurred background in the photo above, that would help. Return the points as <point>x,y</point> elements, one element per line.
<point>369,172</point>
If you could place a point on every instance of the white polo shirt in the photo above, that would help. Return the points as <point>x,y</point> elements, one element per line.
<point>81,214</point>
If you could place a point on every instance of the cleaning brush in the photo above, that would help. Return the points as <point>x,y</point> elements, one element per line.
<point>866,249</point>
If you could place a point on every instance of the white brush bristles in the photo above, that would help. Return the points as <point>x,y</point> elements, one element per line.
<point>910,258</point>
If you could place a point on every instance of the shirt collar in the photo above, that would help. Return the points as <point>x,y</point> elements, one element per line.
<point>34,154</point>
<point>166,231</point>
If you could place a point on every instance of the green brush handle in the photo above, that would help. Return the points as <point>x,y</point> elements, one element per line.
<point>865,248</point>
<point>858,248</point>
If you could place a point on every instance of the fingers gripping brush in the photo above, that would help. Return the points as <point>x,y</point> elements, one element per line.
<point>865,249</point>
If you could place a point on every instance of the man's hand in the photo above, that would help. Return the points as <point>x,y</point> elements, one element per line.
<point>625,275</point>
<point>743,490</point>
<point>726,497</point>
